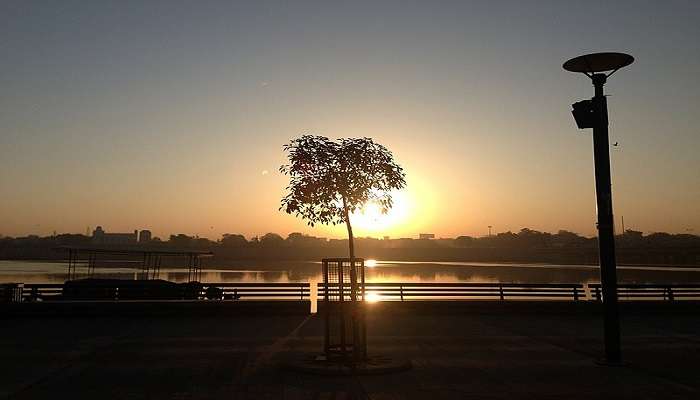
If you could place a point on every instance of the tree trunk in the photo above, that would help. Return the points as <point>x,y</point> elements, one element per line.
<point>351,245</point>
<point>351,241</point>
<point>359,332</point>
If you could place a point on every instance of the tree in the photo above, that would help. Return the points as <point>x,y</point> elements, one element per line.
<point>298,239</point>
<point>233,240</point>
<point>329,180</point>
<point>271,240</point>
<point>181,240</point>
<point>464,241</point>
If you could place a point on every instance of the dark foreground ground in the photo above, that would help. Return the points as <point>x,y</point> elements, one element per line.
<point>499,354</point>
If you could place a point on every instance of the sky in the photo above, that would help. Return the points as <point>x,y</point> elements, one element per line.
<point>171,115</point>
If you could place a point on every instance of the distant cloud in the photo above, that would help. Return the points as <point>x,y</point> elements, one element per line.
<point>264,172</point>
<point>264,84</point>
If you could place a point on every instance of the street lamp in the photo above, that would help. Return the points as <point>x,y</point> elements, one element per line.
<point>593,113</point>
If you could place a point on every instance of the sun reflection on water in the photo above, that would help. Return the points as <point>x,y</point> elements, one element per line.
<point>372,297</point>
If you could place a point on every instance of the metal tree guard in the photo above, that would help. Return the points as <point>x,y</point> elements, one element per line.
<point>345,336</point>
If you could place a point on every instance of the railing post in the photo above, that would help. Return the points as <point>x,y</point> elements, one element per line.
<point>575,293</point>
<point>401,291</point>
<point>670,293</point>
<point>500,290</point>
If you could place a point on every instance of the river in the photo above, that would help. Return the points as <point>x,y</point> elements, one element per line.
<point>383,271</point>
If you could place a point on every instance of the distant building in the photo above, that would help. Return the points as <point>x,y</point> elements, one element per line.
<point>99,236</point>
<point>426,236</point>
<point>144,236</point>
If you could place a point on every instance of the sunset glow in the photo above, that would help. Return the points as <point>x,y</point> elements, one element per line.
<point>483,140</point>
<point>371,219</point>
<point>350,199</point>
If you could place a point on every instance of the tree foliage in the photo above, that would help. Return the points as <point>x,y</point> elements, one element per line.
<point>271,240</point>
<point>330,179</point>
<point>233,240</point>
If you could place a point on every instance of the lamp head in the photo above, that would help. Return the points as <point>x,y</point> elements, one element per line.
<point>590,64</point>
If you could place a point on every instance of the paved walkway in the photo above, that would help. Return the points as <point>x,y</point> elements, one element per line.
<point>470,356</point>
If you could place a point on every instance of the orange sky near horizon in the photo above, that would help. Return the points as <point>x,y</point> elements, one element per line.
<point>172,117</point>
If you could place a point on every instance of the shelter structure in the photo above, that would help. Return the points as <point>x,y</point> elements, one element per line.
<point>147,260</point>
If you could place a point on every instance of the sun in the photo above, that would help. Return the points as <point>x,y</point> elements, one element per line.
<point>370,218</point>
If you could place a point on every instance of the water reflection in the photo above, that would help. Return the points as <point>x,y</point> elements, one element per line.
<point>373,297</point>
<point>412,272</point>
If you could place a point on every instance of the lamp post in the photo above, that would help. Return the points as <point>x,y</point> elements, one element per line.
<point>594,114</point>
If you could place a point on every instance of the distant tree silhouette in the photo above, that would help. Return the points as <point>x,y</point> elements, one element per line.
<point>532,246</point>
<point>271,240</point>
<point>72,239</point>
<point>233,240</point>
<point>329,180</point>
<point>297,239</point>
<point>564,238</point>
<point>531,238</point>
<point>464,241</point>
<point>181,240</point>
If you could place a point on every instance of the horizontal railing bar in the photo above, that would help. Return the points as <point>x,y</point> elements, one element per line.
<point>431,294</point>
<point>620,292</point>
<point>495,285</point>
<point>269,295</point>
<point>477,293</point>
<point>43,285</point>
<point>509,290</point>
<point>465,294</point>
<point>263,290</point>
<point>652,285</point>
<point>250,284</point>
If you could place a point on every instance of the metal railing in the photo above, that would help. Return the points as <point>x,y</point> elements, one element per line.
<point>232,291</point>
<point>464,291</point>
<point>10,292</point>
<point>262,291</point>
<point>42,291</point>
<point>650,291</point>
<point>396,291</point>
